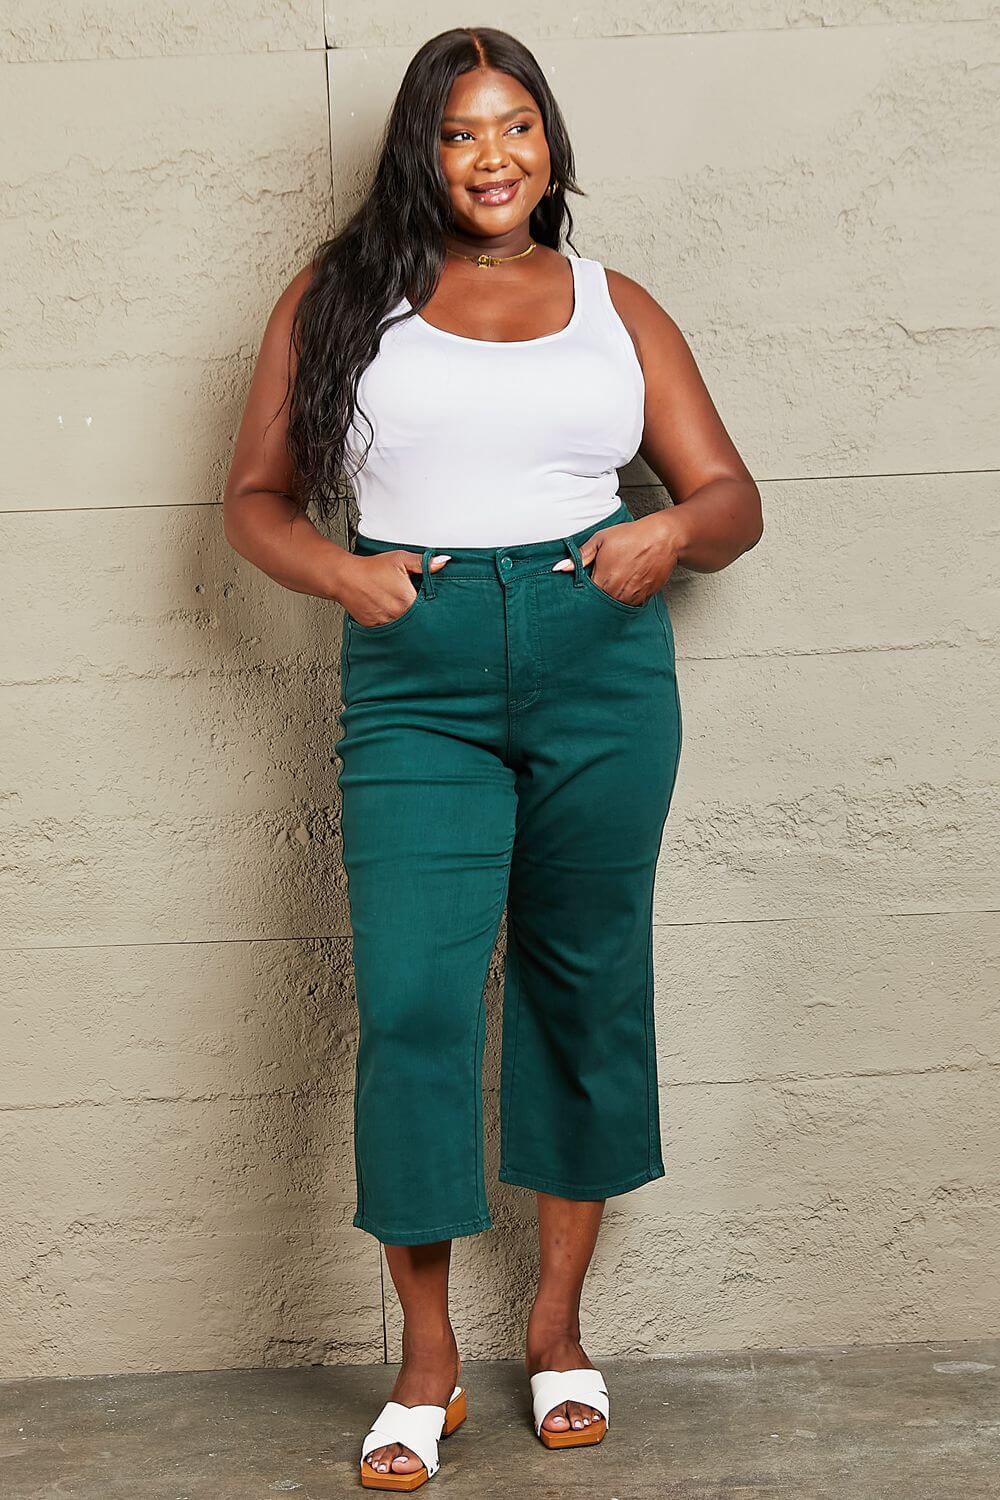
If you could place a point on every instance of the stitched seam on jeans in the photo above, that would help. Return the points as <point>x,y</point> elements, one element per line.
<point>345,659</point>
<point>652,1099</point>
<point>622,604</point>
<point>680,738</point>
<point>654,1102</point>
<point>357,1154</point>
<point>535,653</point>
<point>477,1102</point>
<point>567,1189</point>
<point>506,1102</point>
<point>671,651</point>
<point>477,1081</point>
<point>480,1221</point>
<point>664,621</point>
<point>389,625</point>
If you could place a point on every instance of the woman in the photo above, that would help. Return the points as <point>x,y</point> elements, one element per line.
<point>511,727</point>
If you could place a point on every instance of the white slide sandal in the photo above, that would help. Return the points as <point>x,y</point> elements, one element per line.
<point>551,1388</point>
<point>417,1428</point>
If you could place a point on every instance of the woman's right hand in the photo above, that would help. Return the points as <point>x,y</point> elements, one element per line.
<point>377,589</point>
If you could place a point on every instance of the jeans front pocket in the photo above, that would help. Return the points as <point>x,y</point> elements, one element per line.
<point>630,609</point>
<point>389,625</point>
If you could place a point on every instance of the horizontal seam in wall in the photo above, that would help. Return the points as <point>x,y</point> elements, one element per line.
<point>72,510</point>
<point>793,919</point>
<point>324,44</point>
<point>666,1085</point>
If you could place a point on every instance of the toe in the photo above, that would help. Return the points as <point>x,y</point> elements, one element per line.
<point>378,1460</point>
<point>406,1462</point>
<point>557,1420</point>
<point>579,1415</point>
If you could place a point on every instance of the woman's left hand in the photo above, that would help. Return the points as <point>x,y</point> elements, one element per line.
<point>633,560</point>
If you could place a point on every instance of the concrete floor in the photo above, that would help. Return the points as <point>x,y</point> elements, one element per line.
<point>906,1421</point>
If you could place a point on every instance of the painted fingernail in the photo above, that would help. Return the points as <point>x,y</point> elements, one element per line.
<point>442,557</point>
<point>563,567</point>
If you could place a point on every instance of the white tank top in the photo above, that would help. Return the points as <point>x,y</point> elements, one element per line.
<point>480,443</point>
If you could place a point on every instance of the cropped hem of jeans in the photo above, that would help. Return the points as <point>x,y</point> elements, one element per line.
<point>573,1190</point>
<point>422,1236</point>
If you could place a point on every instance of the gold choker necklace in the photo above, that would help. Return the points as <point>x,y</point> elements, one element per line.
<point>492,260</point>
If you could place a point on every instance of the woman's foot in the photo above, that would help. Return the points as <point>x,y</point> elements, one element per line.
<point>429,1373</point>
<point>557,1347</point>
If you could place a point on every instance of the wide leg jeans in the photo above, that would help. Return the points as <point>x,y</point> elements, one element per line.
<point>512,739</point>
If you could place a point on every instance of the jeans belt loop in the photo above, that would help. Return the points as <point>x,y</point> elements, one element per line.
<point>574,552</point>
<point>427,575</point>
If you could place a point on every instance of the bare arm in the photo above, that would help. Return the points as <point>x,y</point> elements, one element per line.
<point>261,519</point>
<point>716,515</point>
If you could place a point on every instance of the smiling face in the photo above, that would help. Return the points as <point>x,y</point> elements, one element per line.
<point>492,138</point>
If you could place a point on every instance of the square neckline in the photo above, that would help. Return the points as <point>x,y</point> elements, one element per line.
<point>544,338</point>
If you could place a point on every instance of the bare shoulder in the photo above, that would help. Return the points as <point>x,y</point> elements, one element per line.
<point>650,325</point>
<point>684,439</point>
<point>283,312</point>
<point>277,357</point>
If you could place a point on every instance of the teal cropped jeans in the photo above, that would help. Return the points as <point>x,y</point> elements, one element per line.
<point>512,738</point>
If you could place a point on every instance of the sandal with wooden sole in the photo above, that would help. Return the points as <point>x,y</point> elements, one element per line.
<point>550,1388</point>
<point>417,1428</point>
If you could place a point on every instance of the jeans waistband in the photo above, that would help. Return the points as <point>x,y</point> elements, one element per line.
<point>519,560</point>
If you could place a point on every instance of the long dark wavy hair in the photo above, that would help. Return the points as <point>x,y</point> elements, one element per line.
<point>393,245</point>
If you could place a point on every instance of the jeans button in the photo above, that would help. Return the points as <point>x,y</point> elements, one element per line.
<point>506,562</point>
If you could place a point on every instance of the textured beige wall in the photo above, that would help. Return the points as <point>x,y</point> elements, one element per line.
<point>813,195</point>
